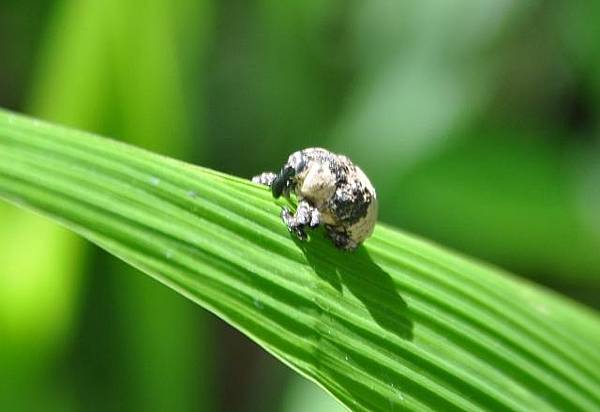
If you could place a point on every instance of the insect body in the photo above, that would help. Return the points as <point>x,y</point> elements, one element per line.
<point>331,191</point>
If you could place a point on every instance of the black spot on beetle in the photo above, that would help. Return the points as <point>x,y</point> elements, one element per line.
<point>350,204</point>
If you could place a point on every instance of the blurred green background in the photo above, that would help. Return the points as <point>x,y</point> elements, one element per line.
<point>476,121</point>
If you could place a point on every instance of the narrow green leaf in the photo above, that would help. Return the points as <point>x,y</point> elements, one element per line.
<point>399,324</point>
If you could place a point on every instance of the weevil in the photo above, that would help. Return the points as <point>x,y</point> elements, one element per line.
<point>331,191</point>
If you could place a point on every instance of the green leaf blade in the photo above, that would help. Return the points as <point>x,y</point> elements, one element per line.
<point>399,324</point>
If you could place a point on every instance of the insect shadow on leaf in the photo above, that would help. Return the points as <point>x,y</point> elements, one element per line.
<point>367,281</point>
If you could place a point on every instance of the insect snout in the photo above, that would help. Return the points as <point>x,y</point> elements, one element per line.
<point>281,181</point>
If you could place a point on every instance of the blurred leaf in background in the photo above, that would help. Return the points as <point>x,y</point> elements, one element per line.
<point>519,207</point>
<point>133,69</point>
<point>303,395</point>
<point>278,74</point>
<point>39,264</point>
<point>423,71</point>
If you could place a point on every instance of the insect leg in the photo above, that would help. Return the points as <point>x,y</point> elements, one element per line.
<point>306,216</point>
